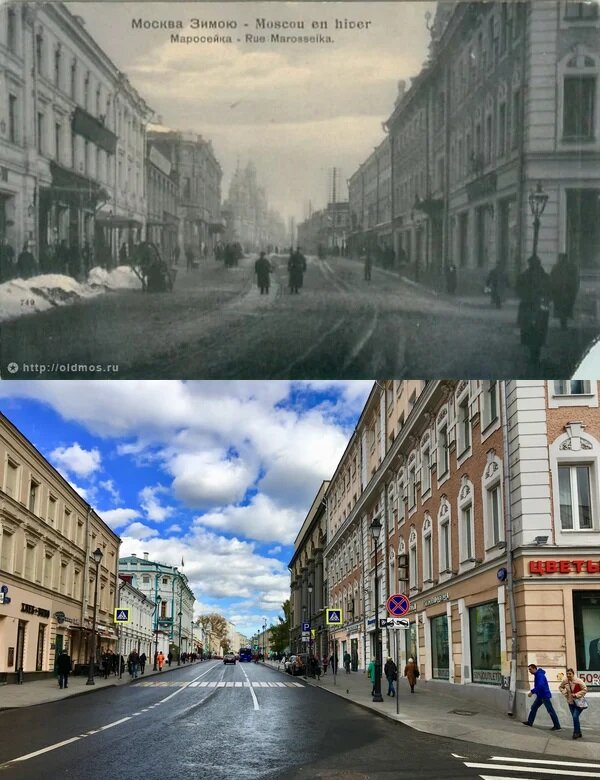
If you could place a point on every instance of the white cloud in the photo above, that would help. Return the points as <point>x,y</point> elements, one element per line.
<point>110,487</point>
<point>274,550</point>
<point>151,505</point>
<point>261,519</point>
<point>174,529</point>
<point>117,518</point>
<point>76,460</point>
<point>203,479</point>
<point>141,532</point>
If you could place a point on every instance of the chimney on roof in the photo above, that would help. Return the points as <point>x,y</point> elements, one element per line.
<point>134,555</point>
<point>146,556</point>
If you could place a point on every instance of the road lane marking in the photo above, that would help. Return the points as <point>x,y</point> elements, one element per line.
<point>543,761</point>
<point>44,750</point>
<point>250,688</point>
<point>186,685</point>
<point>495,777</point>
<point>538,769</point>
<point>114,723</point>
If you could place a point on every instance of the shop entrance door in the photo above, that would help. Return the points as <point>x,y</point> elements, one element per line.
<point>59,648</point>
<point>20,644</point>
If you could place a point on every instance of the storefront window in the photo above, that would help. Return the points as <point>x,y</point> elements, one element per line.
<point>440,657</point>
<point>485,644</point>
<point>586,614</point>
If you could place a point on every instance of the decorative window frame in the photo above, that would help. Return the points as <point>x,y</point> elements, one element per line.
<point>575,447</point>
<point>426,489</point>
<point>465,499</point>
<point>400,493</point>
<point>413,571</point>
<point>461,396</point>
<point>492,477</point>
<point>427,534</point>
<point>444,517</point>
<point>488,427</point>
<point>564,68</point>
<point>442,420</point>
<point>411,468</point>
<point>393,580</point>
<point>567,23</point>
<point>556,400</point>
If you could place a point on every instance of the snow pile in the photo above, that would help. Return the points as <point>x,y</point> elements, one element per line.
<point>40,293</point>
<point>120,278</point>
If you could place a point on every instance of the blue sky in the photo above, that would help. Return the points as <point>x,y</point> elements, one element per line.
<point>220,474</point>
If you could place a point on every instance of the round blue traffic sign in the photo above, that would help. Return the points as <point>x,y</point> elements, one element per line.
<point>397,605</point>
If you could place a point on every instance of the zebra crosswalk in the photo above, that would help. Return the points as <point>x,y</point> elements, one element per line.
<point>512,768</point>
<point>218,684</point>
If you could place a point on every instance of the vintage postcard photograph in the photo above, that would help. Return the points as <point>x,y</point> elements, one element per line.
<point>286,190</point>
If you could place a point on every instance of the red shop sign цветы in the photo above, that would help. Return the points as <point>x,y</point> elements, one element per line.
<point>564,567</point>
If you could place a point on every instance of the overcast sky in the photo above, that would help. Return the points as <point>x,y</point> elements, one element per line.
<point>297,110</point>
<point>219,473</point>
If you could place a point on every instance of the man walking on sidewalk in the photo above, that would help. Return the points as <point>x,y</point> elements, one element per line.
<point>63,666</point>
<point>541,689</point>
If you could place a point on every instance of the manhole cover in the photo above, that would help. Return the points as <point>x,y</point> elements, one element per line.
<point>463,712</point>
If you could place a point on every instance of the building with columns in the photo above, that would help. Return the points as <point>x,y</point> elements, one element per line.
<point>167,585</point>
<point>487,495</point>
<point>309,589</point>
<point>72,140</point>
<point>48,534</point>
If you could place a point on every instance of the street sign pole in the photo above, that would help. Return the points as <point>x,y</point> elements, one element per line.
<point>397,672</point>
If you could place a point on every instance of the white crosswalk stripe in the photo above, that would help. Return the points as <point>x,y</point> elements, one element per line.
<point>221,684</point>
<point>503,768</point>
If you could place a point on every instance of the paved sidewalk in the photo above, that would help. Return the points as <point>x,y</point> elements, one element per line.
<point>43,691</point>
<point>436,712</point>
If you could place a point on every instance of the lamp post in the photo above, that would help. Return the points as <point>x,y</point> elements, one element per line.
<point>180,613</point>
<point>375,532</point>
<point>310,588</point>
<point>97,555</point>
<point>155,666</point>
<point>264,637</point>
<point>192,639</point>
<point>537,203</point>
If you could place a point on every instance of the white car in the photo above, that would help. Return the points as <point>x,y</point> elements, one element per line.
<point>229,658</point>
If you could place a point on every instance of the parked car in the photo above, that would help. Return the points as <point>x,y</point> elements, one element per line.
<point>229,658</point>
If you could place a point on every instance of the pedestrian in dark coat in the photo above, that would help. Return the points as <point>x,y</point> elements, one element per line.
<point>391,673</point>
<point>451,278</point>
<point>533,289</point>
<point>368,266</point>
<point>564,285</point>
<point>169,657</point>
<point>142,662</point>
<point>7,260</point>
<point>541,691</point>
<point>347,661</point>
<point>63,667</point>
<point>26,264</point>
<point>296,268</point>
<point>411,672</point>
<point>189,258</point>
<point>263,269</point>
<point>497,282</point>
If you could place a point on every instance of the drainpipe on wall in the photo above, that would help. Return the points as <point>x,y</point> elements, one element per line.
<point>512,690</point>
<point>86,567</point>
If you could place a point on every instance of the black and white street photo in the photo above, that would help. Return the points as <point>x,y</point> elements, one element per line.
<point>295,190</point>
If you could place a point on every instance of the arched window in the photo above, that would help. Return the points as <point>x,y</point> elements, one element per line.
<point>578,81</point>
<point>427,549</point>
<point>445,537</point>
<point>493,508</point>
<point>466,523</point>
<point>413,561</point>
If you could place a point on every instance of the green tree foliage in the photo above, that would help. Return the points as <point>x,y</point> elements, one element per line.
<point>280,630</point>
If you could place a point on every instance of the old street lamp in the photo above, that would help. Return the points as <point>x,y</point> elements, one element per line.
<point>537,203</point>
<point>97,556</point>
<point>376,532</point>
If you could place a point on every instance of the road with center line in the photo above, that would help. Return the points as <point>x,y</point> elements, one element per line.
<point>242,722</point>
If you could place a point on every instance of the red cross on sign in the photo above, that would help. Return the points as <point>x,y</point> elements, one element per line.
<point>397,605</point>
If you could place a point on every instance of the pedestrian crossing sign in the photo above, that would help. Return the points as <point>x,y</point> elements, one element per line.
<point>122,615</point>
<point>333,617</point>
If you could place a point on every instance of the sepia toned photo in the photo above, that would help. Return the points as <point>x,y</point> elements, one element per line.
<point>263,190</point>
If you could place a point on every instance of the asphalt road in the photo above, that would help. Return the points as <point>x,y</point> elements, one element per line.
<point>216,325</point>
<point>244,722</point>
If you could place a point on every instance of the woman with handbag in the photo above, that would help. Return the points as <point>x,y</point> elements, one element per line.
<point>574,690</point>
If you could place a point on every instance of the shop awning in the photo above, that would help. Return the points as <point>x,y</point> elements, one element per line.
<point>91,128</point>
<point>117,221</point>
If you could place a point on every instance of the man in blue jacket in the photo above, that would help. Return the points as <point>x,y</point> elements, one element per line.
<point>541,689</point>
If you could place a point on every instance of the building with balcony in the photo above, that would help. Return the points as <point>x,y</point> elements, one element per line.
<point>162,226</point>
<point>370,203</point>
<point>72,144</point>
<point>487,494</point>
<point>198,174</point>
<point>168,586</point>
<point>48,533</point>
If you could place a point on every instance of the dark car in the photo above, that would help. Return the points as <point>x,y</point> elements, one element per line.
<point>229,658</point>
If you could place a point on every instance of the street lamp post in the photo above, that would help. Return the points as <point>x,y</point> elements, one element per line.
<point>155,666</point>
<point>537,203</point>
<point>192,639</point>
<point>376,531</point>
<point>264,637</point>
<point>310,588</point>
<point>97,555</point>
<point>179,649</point>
